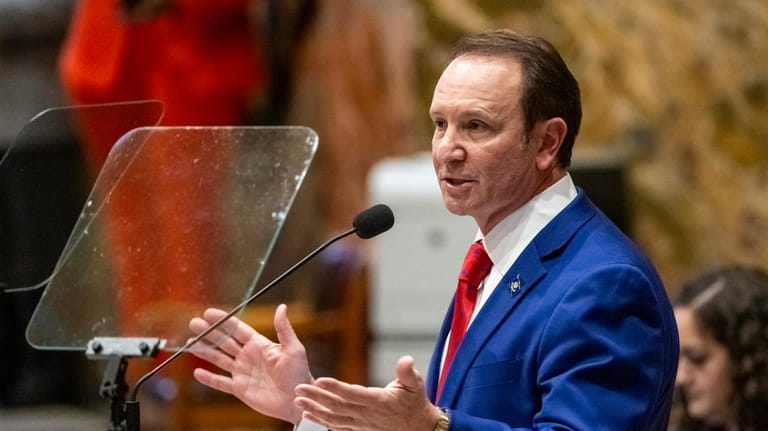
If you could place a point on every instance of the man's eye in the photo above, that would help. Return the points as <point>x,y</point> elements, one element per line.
<point>439,124</point>
<point>475,125</point>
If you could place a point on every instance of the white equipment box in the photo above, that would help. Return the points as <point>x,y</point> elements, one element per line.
<point>414,266</point>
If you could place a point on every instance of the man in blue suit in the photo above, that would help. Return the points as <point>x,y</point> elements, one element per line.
<point>570,329</point>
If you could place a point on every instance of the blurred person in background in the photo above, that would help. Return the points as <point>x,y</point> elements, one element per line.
<point>202,60</point>
<point>722,381</point>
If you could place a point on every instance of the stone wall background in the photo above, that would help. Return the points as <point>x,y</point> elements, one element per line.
<point>678,88</point>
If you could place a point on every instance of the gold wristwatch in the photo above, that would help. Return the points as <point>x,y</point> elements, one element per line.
<point>443,421</point>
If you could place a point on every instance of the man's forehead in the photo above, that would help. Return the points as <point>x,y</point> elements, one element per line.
<point>481,73</point>
<point>477,82</point>
<point>509,63</point>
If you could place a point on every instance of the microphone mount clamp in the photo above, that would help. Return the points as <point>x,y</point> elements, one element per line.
<point>117,350</point>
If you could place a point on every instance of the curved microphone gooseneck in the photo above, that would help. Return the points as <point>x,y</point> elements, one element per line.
<point>367,224</point>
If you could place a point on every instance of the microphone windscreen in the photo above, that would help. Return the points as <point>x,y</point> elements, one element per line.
<point>373,221</point>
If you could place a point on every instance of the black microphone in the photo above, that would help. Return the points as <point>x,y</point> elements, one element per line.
<point>367,224</point>
<point>373,221</point>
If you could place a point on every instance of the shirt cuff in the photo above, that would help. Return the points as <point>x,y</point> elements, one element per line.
<point>308,425</point>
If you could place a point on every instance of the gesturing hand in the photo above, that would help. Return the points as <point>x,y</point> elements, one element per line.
<point>261,373</point>
<point>401,405</point>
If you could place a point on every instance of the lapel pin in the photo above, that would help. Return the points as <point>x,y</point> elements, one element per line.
<point>514,287</point>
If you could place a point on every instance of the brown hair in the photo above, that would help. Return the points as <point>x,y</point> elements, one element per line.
<point>549,89</point>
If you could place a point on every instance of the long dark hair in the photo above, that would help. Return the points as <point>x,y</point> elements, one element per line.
<point>731,304</point>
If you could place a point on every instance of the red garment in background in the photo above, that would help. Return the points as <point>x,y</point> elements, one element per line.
<point>201,59</point>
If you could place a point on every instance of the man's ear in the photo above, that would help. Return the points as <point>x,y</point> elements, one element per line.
<point>552,132</point>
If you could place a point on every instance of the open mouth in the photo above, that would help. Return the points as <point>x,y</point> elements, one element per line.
<point>456,181</point>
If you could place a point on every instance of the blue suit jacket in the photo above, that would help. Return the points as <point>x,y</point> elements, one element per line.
<point>587,340</point>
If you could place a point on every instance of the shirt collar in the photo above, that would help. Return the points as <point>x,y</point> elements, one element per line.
<point>507,240</point>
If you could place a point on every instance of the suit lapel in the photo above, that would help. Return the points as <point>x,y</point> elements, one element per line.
<point>524,275</point>
<point>433,374</point>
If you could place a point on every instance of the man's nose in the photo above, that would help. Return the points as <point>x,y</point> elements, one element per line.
<point>449,147</point>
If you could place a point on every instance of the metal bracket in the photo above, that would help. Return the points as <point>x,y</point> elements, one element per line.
<point>106,347</point>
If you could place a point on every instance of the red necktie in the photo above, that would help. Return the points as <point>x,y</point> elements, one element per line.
<point>476,266</point>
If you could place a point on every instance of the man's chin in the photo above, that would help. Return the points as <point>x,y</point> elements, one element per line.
<point>459,210</point>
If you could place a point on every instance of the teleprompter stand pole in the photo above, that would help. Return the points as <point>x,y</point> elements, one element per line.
<point>114,388</point>
<point>123,416</point>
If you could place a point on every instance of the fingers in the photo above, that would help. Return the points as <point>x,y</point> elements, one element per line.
<point>407,375</point>
<point>211,317</point>
<point>230,335</point>
<point>334,403</point>
<point>215,381</point>
<point>233,326</point>
<point>325,403</point>
<point>330,392</point>
<point>342,406</point>
<point>286,336</point>
<point>214,356</point>
<point>225,341</point>
<point>314,398</point>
